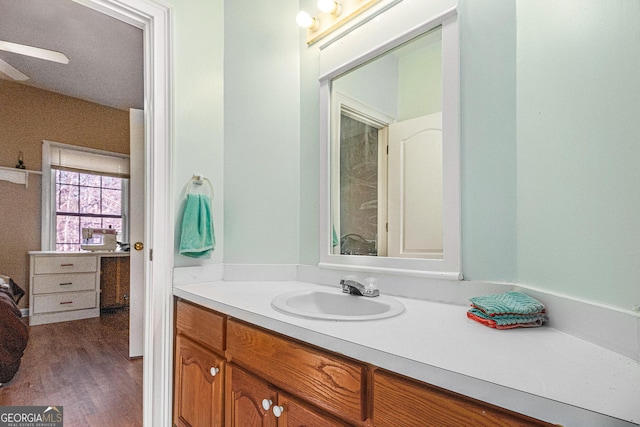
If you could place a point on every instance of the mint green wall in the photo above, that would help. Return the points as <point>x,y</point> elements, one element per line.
<point>261,132</point>
<point>420,83</point>
<point>381,74</point>
<point>407,86</point>
<point>549,131</point>
<point>197,90</point>
<point>488,132</point>
<point>309,147</point>
<point>237,121</point>
<point>578,121</point>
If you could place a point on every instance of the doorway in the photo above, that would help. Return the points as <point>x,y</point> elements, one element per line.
<point>154,19</point>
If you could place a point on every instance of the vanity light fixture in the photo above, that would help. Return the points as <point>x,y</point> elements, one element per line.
<point>329,6</point>
<point>333,14</point>
<point>304,20</point>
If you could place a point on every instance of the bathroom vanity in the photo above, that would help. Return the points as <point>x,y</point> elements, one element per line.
<point>234,373</point>
<point>238,360</point>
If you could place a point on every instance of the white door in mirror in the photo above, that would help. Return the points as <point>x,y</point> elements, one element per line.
<point>415,188</point>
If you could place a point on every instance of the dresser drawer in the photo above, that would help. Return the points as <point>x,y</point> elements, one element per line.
<point>407,402</point>
<point>200,325</point>
<point>52,303</point>
<point>47,284</point>
<point>65,264</point>
<point>327,381</point>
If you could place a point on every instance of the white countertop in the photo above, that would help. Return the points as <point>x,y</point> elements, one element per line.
<point>540,372</point>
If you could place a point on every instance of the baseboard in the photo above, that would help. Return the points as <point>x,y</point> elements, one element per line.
<point>234,272</point>
<point>260,272</point>
<point>198,274</point>
<point>25,312</point>
<point>606,326</point>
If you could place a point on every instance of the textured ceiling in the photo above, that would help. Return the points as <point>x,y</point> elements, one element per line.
<point>105,55</point>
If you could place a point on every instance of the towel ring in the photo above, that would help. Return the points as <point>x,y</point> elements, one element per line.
<point>199,180</point>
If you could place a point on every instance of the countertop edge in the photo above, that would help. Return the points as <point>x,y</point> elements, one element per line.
<point>81,253</point>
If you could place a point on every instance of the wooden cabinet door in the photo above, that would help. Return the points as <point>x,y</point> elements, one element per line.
<point>245,394</point>
<point>125,281</point>
<point>199,386</point>
<point>299,414</point>
<point>114,282</point>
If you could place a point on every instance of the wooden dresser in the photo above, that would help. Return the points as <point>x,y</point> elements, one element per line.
<point>67,285</point>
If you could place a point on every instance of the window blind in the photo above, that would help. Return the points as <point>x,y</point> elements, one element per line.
<point>78,160</point>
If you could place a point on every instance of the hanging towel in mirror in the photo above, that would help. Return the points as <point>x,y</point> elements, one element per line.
<point>197,239</point>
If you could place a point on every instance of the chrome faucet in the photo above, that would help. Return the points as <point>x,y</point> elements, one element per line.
<point>351,286</point>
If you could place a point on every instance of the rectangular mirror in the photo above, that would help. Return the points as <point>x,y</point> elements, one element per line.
<point>386,162</point>
<point>391,165</point>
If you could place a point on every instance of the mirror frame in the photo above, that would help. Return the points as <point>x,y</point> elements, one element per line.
<point>390,29</point>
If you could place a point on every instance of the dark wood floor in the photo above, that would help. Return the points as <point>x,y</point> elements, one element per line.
<point>82,366</point>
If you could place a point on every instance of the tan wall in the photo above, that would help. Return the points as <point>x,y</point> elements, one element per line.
<point>28,116</point>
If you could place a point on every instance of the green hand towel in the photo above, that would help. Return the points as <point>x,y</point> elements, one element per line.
<point>508,303</point>
<point>197,239</point>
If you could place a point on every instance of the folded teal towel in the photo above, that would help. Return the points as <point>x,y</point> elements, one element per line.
<point>197,239</point>
<point>507,303</point>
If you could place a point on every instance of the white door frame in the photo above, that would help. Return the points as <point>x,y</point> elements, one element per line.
<point>155,21</point>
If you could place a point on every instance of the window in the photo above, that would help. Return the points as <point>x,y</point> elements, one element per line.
<point>82,188</point>
<point>86,200</point>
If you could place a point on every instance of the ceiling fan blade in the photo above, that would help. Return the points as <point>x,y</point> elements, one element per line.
<point>12,72</point>
<point>35,52</point>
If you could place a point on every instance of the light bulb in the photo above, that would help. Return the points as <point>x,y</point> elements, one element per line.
<point>304,20</point>
<point>329,6</point>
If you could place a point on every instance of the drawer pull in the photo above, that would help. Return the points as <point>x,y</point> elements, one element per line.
<point>278,410</point>
<point>66,284</point>
<point>66,302</point>
<point>66,265</point>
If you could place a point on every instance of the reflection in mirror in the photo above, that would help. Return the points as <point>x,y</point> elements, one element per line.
<point>386,154</point>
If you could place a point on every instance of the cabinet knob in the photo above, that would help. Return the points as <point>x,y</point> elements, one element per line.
<point>278,410</point>
<point>214,371</point>
<point>266,404</point>
<point>138,246</point>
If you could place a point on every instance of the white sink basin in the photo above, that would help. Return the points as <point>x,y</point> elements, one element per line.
<point>336,305</point>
